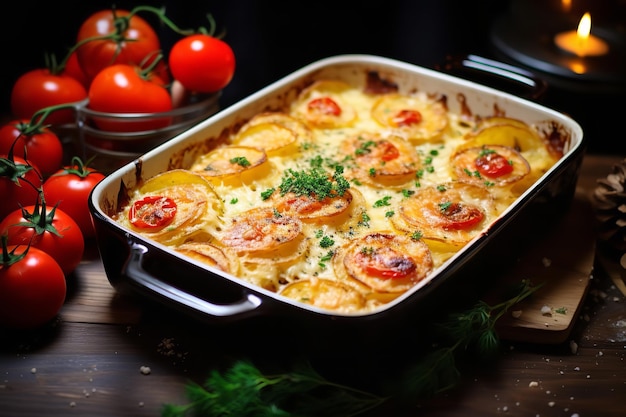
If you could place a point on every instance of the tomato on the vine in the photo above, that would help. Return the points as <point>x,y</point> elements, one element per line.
<point>41,88</point>
<point>69,190</point>
<point>124,39</point>
<point>202,63</point>
<point>49,229</point>
<point>125,89</point>
<point>73,69</point>
<point>32,287</point>
<point>20,182</point>
<point>42,147</point>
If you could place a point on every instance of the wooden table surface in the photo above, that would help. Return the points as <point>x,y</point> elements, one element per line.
<point>89,363</point>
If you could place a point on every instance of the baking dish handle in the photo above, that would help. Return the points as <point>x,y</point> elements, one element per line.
<point>496,74</point>
<point>133,270</point>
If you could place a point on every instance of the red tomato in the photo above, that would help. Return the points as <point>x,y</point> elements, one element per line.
<point>54,232</point>
<point>40,88</point>
<point>122,89</point>
<point>73,69</point>
<point>388,151</point>
<point>19,184</point>
<point>460,216</point>
<point>69,190</point>
<point>152,212</point>
<point>407,118</point>
<point>134,41</point>
<point>32,288</point>
<point>202,63</point>
<point>386,263</point>
<point>43,148</point>
<point>324,105</point>
<point>491,164</point>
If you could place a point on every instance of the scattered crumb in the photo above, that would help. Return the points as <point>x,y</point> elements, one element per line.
<point>573,346</point>
<point>33,370</point>
<point>551,404</point>
<point>72,403</point>
<point>516,314</point>
<point>546,262</point>
<point>145,370</point>
<point>533,384</point>
<point>546,310</point>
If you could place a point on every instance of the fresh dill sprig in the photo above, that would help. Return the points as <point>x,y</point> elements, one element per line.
<point>245,391</point>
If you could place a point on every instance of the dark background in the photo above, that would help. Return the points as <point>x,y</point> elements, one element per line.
<point>275,37</point>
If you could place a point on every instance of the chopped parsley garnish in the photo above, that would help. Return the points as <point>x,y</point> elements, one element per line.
<point>326,242</point>
<point>365,148</point>
<point>407,193</point>
<point>240,160</point>
<point>372,172</point>
<point>234,200</point>
<point>445,206</point>
<point>365,220</point>
<point>390,213</point>
<point>383,201</point>
<point>561,310</point>
<point>485,152</point>
<point>314,182</point>
<point>267,193</point>
<point>416,235</point>
<point>441,188</point>
<point>328,256</point>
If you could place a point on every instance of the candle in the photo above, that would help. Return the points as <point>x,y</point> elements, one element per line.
<point>581,42</point>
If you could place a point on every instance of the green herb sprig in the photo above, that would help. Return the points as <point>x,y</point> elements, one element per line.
<point>245,391</point>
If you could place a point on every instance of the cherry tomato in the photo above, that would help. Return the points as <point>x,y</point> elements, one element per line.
<point>39,88</point>
<point>202,63</point>
<point>19,184</point>
<point>52,231</point>
<point>134,43</point>
<point>325,105</point>
<point>460,216</point>
<point>32,287</point>
<point>74,70</point>
<point>491,164</point>
<point>152,212</point>
<point>69,189</point>
<point>123,89</point>
<point>43,148</point>
<point>407,118</point>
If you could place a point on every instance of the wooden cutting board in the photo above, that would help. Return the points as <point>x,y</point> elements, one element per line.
<point>563,261</point>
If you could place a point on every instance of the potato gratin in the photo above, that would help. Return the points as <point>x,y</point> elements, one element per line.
<point>347,198</point>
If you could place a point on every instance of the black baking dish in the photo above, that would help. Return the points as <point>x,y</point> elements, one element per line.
<point>150,269</point>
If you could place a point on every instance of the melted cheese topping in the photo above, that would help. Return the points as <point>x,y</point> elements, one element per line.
<point>414,198</point>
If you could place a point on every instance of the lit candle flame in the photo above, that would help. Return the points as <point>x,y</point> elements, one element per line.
<point>581,42</point>
<point>584,26</point>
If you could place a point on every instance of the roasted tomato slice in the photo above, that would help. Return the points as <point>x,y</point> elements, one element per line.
<point>407,117</point>
<point>325,105</point>
<point>388,151</point>
<point>385,262</point>
<point>152,212</point>
<point>492,164</point>
<point>460,216</point>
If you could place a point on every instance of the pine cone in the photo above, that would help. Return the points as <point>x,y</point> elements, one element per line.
<point>609,203</point>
